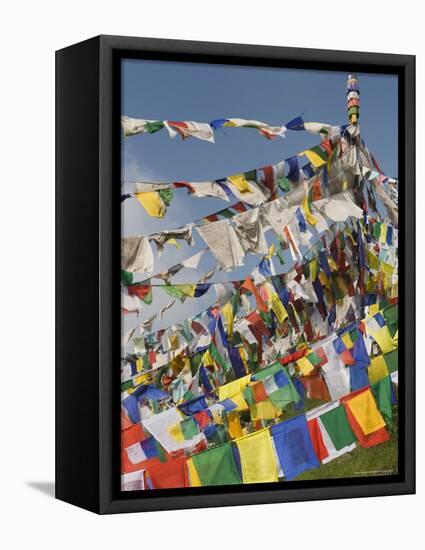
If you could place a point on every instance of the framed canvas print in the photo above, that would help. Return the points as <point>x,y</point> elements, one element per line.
<point>235,274</point>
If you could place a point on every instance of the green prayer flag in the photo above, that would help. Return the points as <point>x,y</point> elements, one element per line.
<point>268,371</point>
<point>126,277</point>
<point>382,392</point>
<point>284,184</point>
<point>391,360</point>
<point>279,252</point>
<point>146,363</point>
<point>235,301</point>
<point>252,174</point>
<point>314,359</point>
<point>148,298</point>
<point>195,361</point>
<point>225,365</point>
<point>282,397</point>
<point>189,428</point>
<point>175,292</point>
<point>391,318</point>
<point>338,427</point>
<point>248,395</point>
<point>376,230</point>
<point>217,466</point>
<point>266,317</point>
<point>166,196</point>
<point>227,213</point>
<point>188,396</point>
<point>154,126</point>
<point>126,385</point>
<point>320,151</point>
<point>354,334</point>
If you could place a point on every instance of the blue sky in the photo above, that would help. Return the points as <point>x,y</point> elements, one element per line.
<point>200,92</point>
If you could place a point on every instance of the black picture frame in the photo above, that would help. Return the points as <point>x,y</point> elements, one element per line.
<point>87,273</point>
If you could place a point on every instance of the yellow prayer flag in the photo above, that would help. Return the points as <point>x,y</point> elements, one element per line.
<point>271,252</point>
<point>178,363</point>
<point>232,388</point>
<point>189,290</point>
<point>373,309</point>
<point>313,269</point>
<point>314,158</point>
<point>141,379</point>
<point>305,366</point>
<point>139,364</point>
<point>193,474</point>
<point>258,462</point>
<point>383,233</point>
<point>347,340</point>
<point>227,311</point>
<point>372,260</point>
<point>387,269</point>
<point>365,411</point>
<point>234,423</point>
<point>377,370</point>
<point>332,263</point>
<point>239,400</point>
<point>308,215</point>
<point>174,341</point>
<point>244,357</point>
<point>264,410</point>
<point>324,280</point>
<point>152,203</point>
<point>278,308</point>
<point>207,359</point>
<point>241,183</point>
<point>395,339</point>
<point>342,285</point>
<point>383,338</point>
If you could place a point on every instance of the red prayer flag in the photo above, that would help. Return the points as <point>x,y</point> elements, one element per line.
<point>125,422</point>
<point>293,356</point>
<point>315,387</point>
<point>269,180</point>
<point>202,418</point>
<point>131,436</point>
<point>258,325</point>
<point>365,441</point>
<point>168,475</point>
<point>141,291</point>
<point>249,285</point>
<point>259,392</point>
<point>239,207</point>
<point>317,439</point>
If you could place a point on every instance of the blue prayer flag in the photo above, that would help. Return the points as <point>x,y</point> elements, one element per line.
<point>294,447</point>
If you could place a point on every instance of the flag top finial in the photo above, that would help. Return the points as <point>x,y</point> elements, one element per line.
<point>353,99</point>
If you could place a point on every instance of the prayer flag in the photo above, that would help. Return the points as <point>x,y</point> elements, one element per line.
<point>294,446</point>
<point>152,203</point>
<point>365,411</point>
<point>258,461</point>
<point>338,428</point>
<point>216,466</point>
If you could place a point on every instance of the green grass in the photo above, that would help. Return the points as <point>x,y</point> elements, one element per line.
<point>380,460</point>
